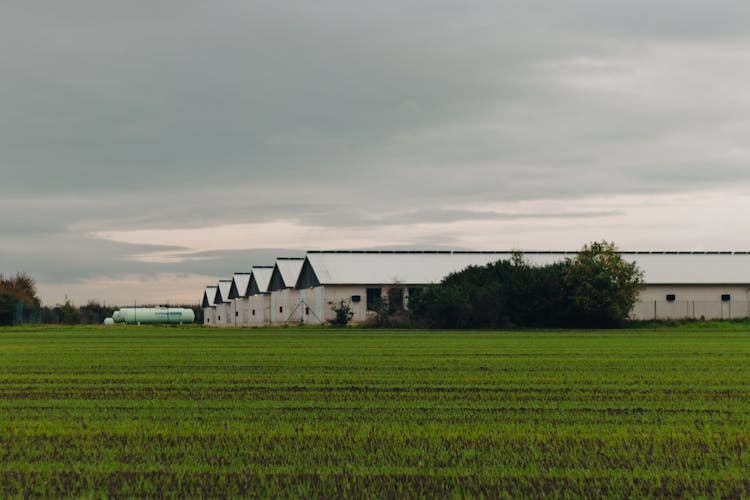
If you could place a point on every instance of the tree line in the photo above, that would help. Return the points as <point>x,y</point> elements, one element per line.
<point>20,303</point>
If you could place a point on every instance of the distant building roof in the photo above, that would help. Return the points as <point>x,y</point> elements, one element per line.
<point>409,268</point>
<point>209,295</point>
<point>222,292</point>
<point>285,273</point>
<point>424,267</point>
<point>731,268</point>
<point>260,279</point>
<point>240,282</point>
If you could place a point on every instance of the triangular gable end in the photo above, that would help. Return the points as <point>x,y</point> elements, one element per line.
<point>217,296</point>
<point>233,293</point>
<point>277,282</point>
<point>307,277</point>
<point>223,291</point>
<point>252,288</point>
<point>239,291</point>
<point>259,280</point>
<point>209,296</point>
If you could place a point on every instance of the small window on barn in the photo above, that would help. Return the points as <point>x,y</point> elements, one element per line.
<point>307,311</point>
<point>671,297</point>
<point>725,297</point>
<point>253,312</point>
<point>281,309</point>
<point>374,298</point>
<point>356,298</point>
<point>219,317</point>
<point>236,313</point>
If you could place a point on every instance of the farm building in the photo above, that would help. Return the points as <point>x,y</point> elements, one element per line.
<point>238,293</point>
<point>250,294</point>
<point>710,285</point>
<point>363,278</point>
<point>284,300</point>
<point>209,311</point>
<point>260,297</point>
<point>223,305</point>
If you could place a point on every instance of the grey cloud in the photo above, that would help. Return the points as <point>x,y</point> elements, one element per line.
<point>69,257</point>
<point>127,98</point>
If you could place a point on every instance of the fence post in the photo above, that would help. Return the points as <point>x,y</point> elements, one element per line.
<point>654,309</point>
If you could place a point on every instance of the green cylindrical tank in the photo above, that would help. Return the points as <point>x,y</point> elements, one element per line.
<point>151,315</point>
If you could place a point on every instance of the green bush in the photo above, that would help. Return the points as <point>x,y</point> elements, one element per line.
<point>596,289</point>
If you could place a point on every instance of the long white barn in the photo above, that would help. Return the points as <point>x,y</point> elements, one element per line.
<point>708,285</point>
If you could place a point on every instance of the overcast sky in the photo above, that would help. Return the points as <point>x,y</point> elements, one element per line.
<point>148,148</point>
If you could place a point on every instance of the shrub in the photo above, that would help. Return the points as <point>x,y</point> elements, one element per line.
<point>343,311</point>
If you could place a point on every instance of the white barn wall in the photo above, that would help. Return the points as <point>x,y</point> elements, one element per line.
<point>242,306</point>
<point>209,316</point>
<point>284,306</point>
<point>259,304</point>
<point>692,301</point>
<point>320,299</point>
<point>224,315</point>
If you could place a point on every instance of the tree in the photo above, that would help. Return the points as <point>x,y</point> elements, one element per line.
<point>7,308</point>
<point>69,313</point>
<point>23,288</point>
<point>602,287</point>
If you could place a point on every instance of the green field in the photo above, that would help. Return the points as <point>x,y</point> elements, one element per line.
<point>155,411</point>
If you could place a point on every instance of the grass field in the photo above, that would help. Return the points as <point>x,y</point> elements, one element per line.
<point>160,411</point>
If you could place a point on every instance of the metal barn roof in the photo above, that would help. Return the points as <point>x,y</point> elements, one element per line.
<point>240,282</point>
<point>222,292</point>
<point>285,273</point>
<point>418,267</point>
<point>693,268</point>
<point>261,278</point>
<point>678,268</point>
<point>209,295</point>
<point>409,268</point>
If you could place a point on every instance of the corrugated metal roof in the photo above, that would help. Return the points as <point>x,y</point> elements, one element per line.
<point>682,268</point>
<point>240,281</point>
<point>409,268</point>
<point>345,267</point>
<point>224,287</point>
<point>289,269</point>
<point>209,295</point>
<point>696,268</point>
<point>262,277</point>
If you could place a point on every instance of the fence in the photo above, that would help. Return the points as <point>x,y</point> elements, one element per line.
<point>21,316</point>
<point>690,309</point>
<point>14,313</point>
